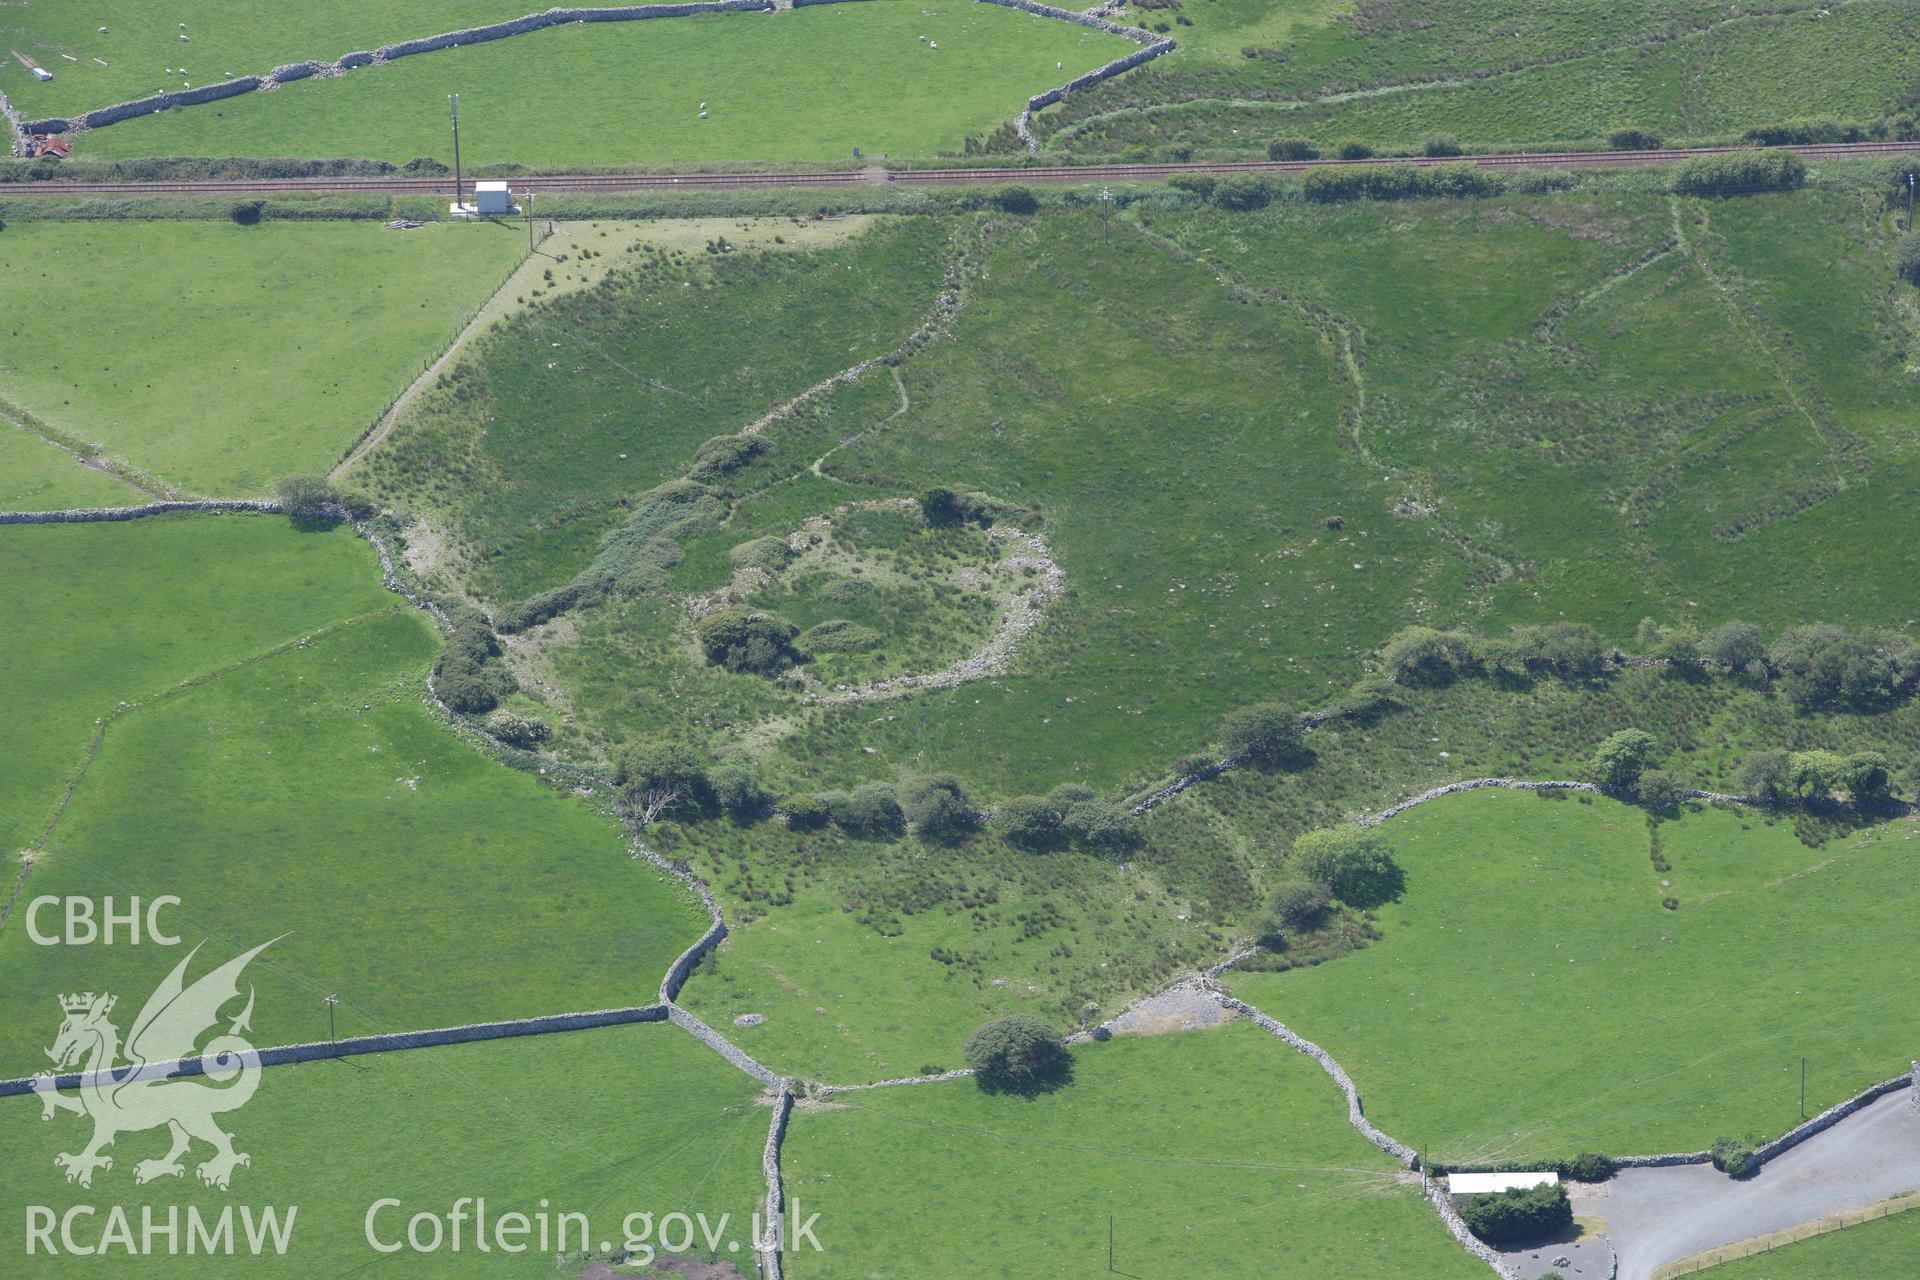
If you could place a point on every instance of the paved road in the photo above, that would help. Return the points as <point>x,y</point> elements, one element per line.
<point>1655,1216</point>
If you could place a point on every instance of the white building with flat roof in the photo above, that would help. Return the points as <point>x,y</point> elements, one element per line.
<point>1479,1184</point>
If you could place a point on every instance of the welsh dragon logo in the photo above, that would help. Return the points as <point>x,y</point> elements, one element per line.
<point>147,1090</point>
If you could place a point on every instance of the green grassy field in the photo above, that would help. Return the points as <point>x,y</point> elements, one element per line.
<point>141,42</point>
<point>807,84</point>
<point>221,357</point>
<point>105,613</point>
<point>1219,1153</point>
<point>312,795</point>
<point>37,476</point>
<point>1531,996</point>
<point>1880,1250</point>
<point>1491,74</point>
<point>606,1123</point>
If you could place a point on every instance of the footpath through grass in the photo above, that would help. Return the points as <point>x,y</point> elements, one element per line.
<point>221,357</point>
<point>607,1123</point>
<point>312,795</point>
<point>888,78</point>
<point>1532,997</point>
<point>1218,1153</point>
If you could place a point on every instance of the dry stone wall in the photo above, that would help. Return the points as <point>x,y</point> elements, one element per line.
<point>316,1050</point>
<point>91,515</point>
<point>1155,46</point>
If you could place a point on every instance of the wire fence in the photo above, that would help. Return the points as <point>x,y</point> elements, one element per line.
<point>1792,1235</point>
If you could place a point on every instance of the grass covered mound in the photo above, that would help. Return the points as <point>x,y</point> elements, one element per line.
<point>311,794</point>
<point>220,357</point>
<point>673,1129</point>
<point>816,83</point>
<point>101,614</point>
<point>530,449</point>
<point>1219,1153</point>
<point>1544,987</point>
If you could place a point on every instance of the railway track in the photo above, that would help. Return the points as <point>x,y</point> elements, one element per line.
<point>559,184</point>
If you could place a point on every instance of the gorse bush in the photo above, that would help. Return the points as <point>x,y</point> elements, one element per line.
<point>1243,191</point>
<point>1291,149</point>
<point>468,675</point>
<point>1733,1157</point>
<point>938,808</point>
<point>1631,139</point>
<point>769,553</point>
<point>738,790</point>
<point>872,809</point>
<point>517,730</point>
<point>1423,656</point>
<point>1263,731</point>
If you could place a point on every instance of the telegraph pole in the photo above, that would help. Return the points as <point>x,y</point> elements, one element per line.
<point>331,1000</point>
<point>1803,1088</point>
<point>529,224</point>
<point>453,104</point>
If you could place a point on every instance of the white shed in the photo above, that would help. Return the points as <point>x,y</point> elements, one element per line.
<point>1476,1184</point>
<point>41,73</point>
<point>492,197</point>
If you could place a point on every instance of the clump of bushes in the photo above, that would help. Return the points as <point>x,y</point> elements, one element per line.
<point>1440,144</point>
<point>517,730</point>
<point>804,812</point>
<point>747,640</point>
<point>1813,776</point>
<point>872,809</point>
<point>1830,668</point>
<point>1906,257</point>
<point>1739,172</point>
<point>1069,814</point>
<point>1733,1158</point>
<point>1351,862</point>
<point>1803,132</point>
<point>1353,149</point>
<point>1424,656</point>
<point>1014,198</point>
<point>1243,191</point>
<point>1589,1166</point>
<point>1511,1217</point>
<point>1291,149</point>
<point>468,675</point>
<point>1018,1054</point>
<point>1632,139</point>
<point>1399,182</point>
<point>938,808</point>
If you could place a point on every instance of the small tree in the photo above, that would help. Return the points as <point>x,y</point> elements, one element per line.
<point>1812,775</point>
<point>1763,775</point>
<point>738,790</point>
<point>1620,758</point>
<point>1031,822</point>
<point>1733,645</point>
<point>1264,731</point>
<point>1658,790</point>
<point>870,809</point>
<point>804,812</point>
<point>1351,861</point>
<point>1017,1054</point>
<point>938,808</point>
<point>307,498</point>
<point>1866,777</point>
<point>660,777</point>
<point>1296,904</point>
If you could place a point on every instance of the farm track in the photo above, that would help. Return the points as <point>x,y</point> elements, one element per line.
<point>580,184</point>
